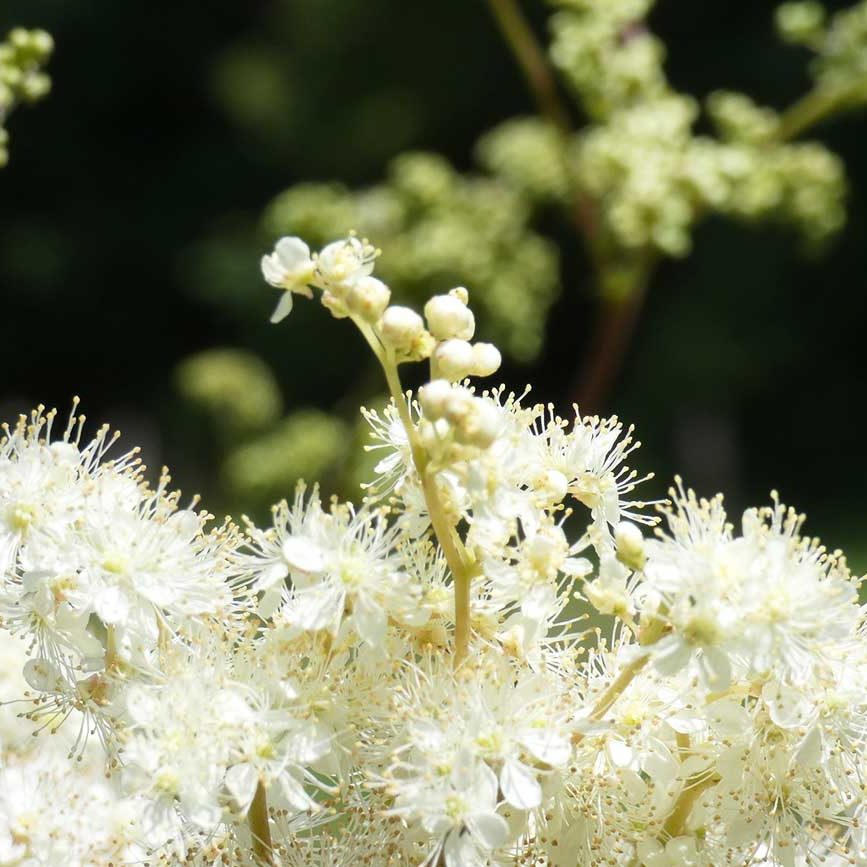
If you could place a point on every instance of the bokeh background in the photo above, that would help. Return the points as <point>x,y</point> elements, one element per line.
<point>131,223</point>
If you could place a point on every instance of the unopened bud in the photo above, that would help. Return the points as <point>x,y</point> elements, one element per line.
<point>630,546</point>
<point>486,359</point>
<point>461,294</point>
<point>454,359</point>
<point>41,43</point>
<point>401,327</point>
<point>433,398</point>
<point>458,405</point>
<point>448,317</point>
<point>368,298</point>
<point>480,426</point>
<point>800,22</point>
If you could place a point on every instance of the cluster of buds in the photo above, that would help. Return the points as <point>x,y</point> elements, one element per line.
<point>452,324</point>
<point>454,415</point>
<point>23,55</point>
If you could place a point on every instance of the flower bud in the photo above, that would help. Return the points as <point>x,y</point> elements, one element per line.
<point>433,398</point>
<point>401,327</point>
<point>630,545</point>
<point>461,294</point>
<point>454,359</point>
<point>458,405</point>
<point>479,426</point>
<point>486,359</point>
<point>368,298</point>
<point>448,317</point>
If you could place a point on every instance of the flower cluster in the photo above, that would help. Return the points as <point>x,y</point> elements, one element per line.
<point>22,56</point>
<point>490,661</point>
<point>640,159</point>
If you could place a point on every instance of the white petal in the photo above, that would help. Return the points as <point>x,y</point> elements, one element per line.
<point>484,786</point>
<point>318,607</point>
<point>271,600</point>
<point>684,723</point>
<point>294,793</point>
<point>283,308</point>
<point>111,605</point>
<point>810,752</point>
<point>241,781</point>
<point>787,707</point>
<point>42,675</point>
<point>715,668</point>
<point>489,829</point>
<point>671,654</point>
<point>309,743</point>
<point>370,622</point>
<point>271,575</point>
<point>519,786</point>
<point>303,555</point>
<point>292,252</point>
<point>728,718</point>
<point>620,753</point>
<point>199,807</point>
<point>547,746</point>
<point>272,271</point>
<point>186,523</point>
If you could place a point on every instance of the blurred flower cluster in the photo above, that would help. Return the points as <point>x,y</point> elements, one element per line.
<point>614,155</point>
<point>23,54</point>
<point>412,681</point>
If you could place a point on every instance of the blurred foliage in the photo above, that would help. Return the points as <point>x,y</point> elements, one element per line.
<point>22,56</point>
<point>130,229</point>
<point>235,387</point>
<point>305,444</point>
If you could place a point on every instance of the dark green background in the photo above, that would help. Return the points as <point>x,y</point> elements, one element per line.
<point>174,123</point>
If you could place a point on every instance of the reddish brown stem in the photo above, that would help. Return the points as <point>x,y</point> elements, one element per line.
<point>615,324</point>
<point>531,58</point>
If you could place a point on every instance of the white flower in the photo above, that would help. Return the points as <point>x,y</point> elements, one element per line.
<point>459,810</point>
<point>470,739</point>
<point>769,600</point>
<point>289,267</point>
<point>343,262</point>
<point>342,567</point>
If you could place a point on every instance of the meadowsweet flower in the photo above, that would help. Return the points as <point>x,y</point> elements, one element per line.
<point>768,601</point>
<point>342,567</point>
<point>290,268</point>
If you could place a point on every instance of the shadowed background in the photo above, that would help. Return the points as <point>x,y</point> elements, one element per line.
<point>131,227</point>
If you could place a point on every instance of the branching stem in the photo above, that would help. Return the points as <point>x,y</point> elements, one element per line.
<point>812,108</point>
<point>677,819</point>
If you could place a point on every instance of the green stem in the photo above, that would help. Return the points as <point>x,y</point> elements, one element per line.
<point>812,108</point>
<point>260,828</point>
<point>649,634</point>
<point>677,819</point>
<point>456,556</point>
